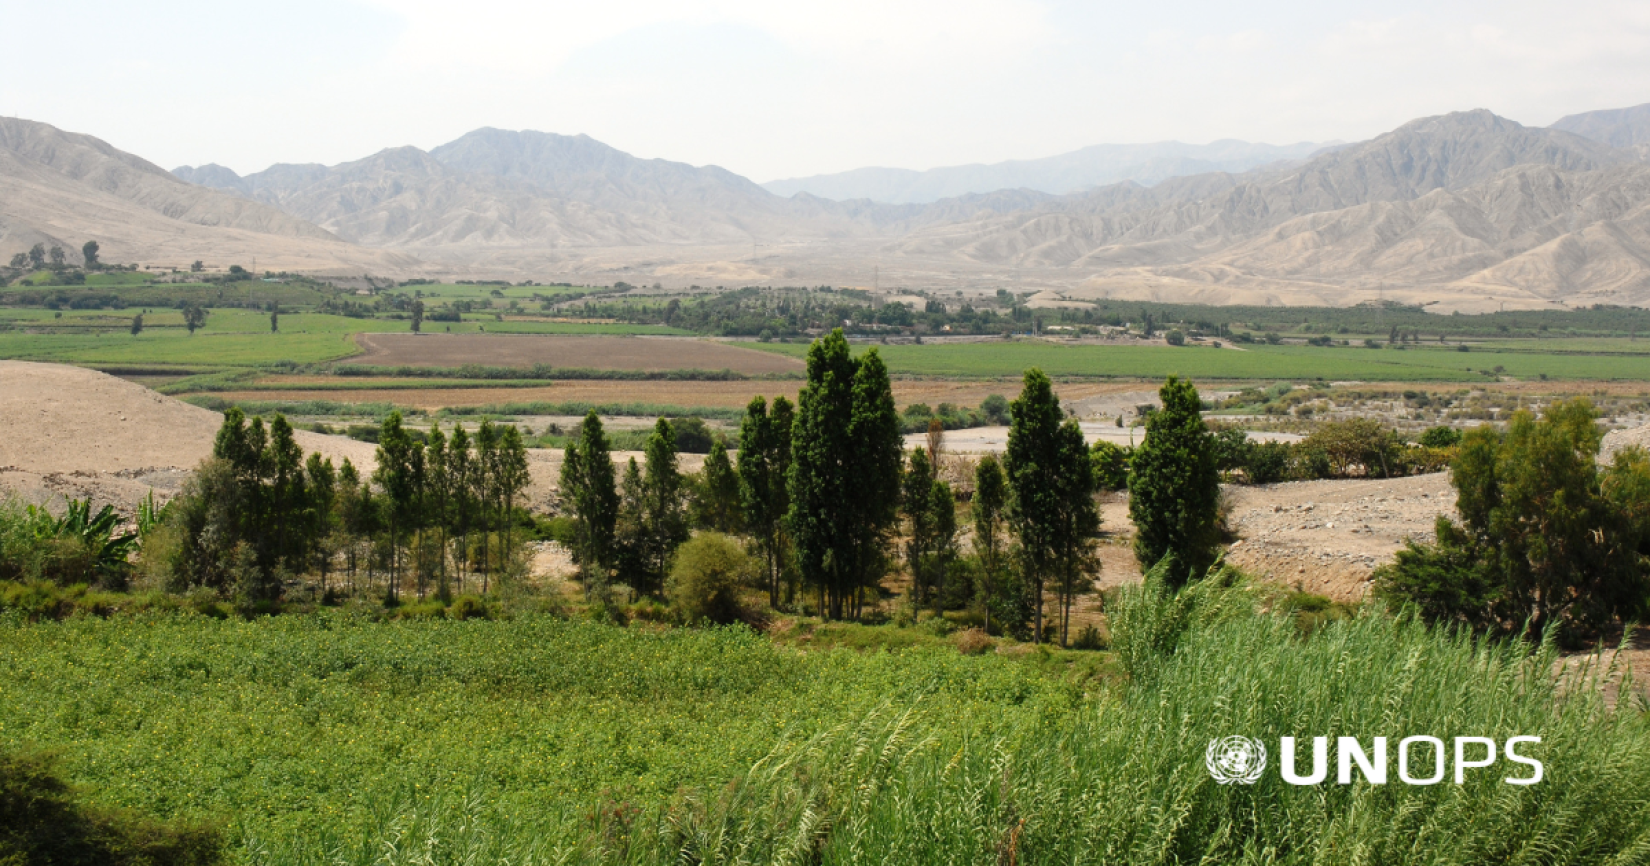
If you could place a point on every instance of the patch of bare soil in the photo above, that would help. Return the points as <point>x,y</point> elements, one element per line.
<point>1328,536</point>
<point>71,432</point>
<point>596,353</point>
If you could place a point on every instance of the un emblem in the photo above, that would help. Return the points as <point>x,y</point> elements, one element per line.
<point>1238,760</point>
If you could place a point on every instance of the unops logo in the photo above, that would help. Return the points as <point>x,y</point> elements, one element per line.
<point>1421,760</point>
<point>1235,760</point>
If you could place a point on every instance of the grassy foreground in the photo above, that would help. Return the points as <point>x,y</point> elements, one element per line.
<point>332,739</point>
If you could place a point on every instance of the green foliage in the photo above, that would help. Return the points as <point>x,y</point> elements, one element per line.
<point>705,580</point>
<point>652,517</point>
<point>1174,487</point>
<point>1441,437</point>
<point>48,824</point>
<point>1052,511</point>
<point>1357,446</point>
<point>1175,337</point>
<point>764,492</point>
<point>716,499</point>
<point>998,588</point>
<point>1111,465</point>
<point>303,732</point>
<point>1546,538</point>
<point>845,473</point>
<point>590,497</point>
<point>78,547</point>
<point>982,768</point>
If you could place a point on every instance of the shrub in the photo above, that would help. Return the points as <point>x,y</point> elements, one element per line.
<point>1089,639</point>
<point>1356,444</point>
<point>468,607</point>
<point>1111,465</point>
<point>704,583</point>
<point>1268,462</point>
<point>973,641</point>
<point>1441,437</point>
<point>1175,337</point>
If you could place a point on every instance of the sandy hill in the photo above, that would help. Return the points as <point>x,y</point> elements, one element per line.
<point>75,432</point>
<point>62,188</point>
<point>69,431</point>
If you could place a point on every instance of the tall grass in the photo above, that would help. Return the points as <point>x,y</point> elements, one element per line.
<point>1121,779</point>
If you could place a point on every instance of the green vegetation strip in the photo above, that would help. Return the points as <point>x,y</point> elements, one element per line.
<point>545,371</point>
<point>989,360</point>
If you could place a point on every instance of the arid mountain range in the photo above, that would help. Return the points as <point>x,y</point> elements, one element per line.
<point>1463,211</point>
<point>1078,171</point>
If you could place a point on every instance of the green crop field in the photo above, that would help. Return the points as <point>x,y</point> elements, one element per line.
<point>290,724</point>
<point>477,292</point>
<point>1010,359</point>
<point>333,738</point>
<point>231,338</point>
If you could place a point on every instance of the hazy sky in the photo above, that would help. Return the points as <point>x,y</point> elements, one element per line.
<point>773,89</point>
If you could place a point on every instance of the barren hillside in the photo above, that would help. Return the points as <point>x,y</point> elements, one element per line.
<point>62,188</point>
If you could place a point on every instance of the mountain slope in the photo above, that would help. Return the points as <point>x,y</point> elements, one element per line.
<point>65,188</point>
<point>1618,127</point>
<point>1077,171</point>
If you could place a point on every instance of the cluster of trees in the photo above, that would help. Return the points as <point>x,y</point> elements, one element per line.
<point>1353,448</point>
<point>1545,536</point>
<point>824,490</point>
<point>39,257</point>
<point>258,512</point>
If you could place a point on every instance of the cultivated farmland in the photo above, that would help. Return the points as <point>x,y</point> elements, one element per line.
<point>595,353</point>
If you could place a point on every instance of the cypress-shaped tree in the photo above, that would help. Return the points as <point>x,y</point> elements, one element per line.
<point>845,472</point>
<point>764,474</point>
<point>1052,507</point>
<point>1174,487</point>
<point>588,492</point>
<point>717,507</point>
<point>990,539</point>
<point>917,501</point>
<point>400,474</point>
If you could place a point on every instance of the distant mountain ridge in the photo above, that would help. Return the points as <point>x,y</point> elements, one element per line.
<point>1066,173</point>
<point>1619,127</point>
<point>65,188</point>
<point>1467,210</point>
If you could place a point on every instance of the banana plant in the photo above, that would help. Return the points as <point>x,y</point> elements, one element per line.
<point>98,532</point>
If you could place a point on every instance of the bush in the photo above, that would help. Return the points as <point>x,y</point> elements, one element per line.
<point>1361,444</point>
<point>973,642</point>
<point>1175,338</point>
<point>1111,465</point>
<point>1268,463</point>
<point>1441,437</point>
<point>468,607</point>
<point>704,583</point>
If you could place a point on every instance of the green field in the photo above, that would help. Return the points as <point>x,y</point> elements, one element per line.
<point>1010,359</point>
<point>289,724</point>
<point>333,738</point>
<point>231,338</point>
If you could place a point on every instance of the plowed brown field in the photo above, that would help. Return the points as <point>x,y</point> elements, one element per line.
<point>596,353</point>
